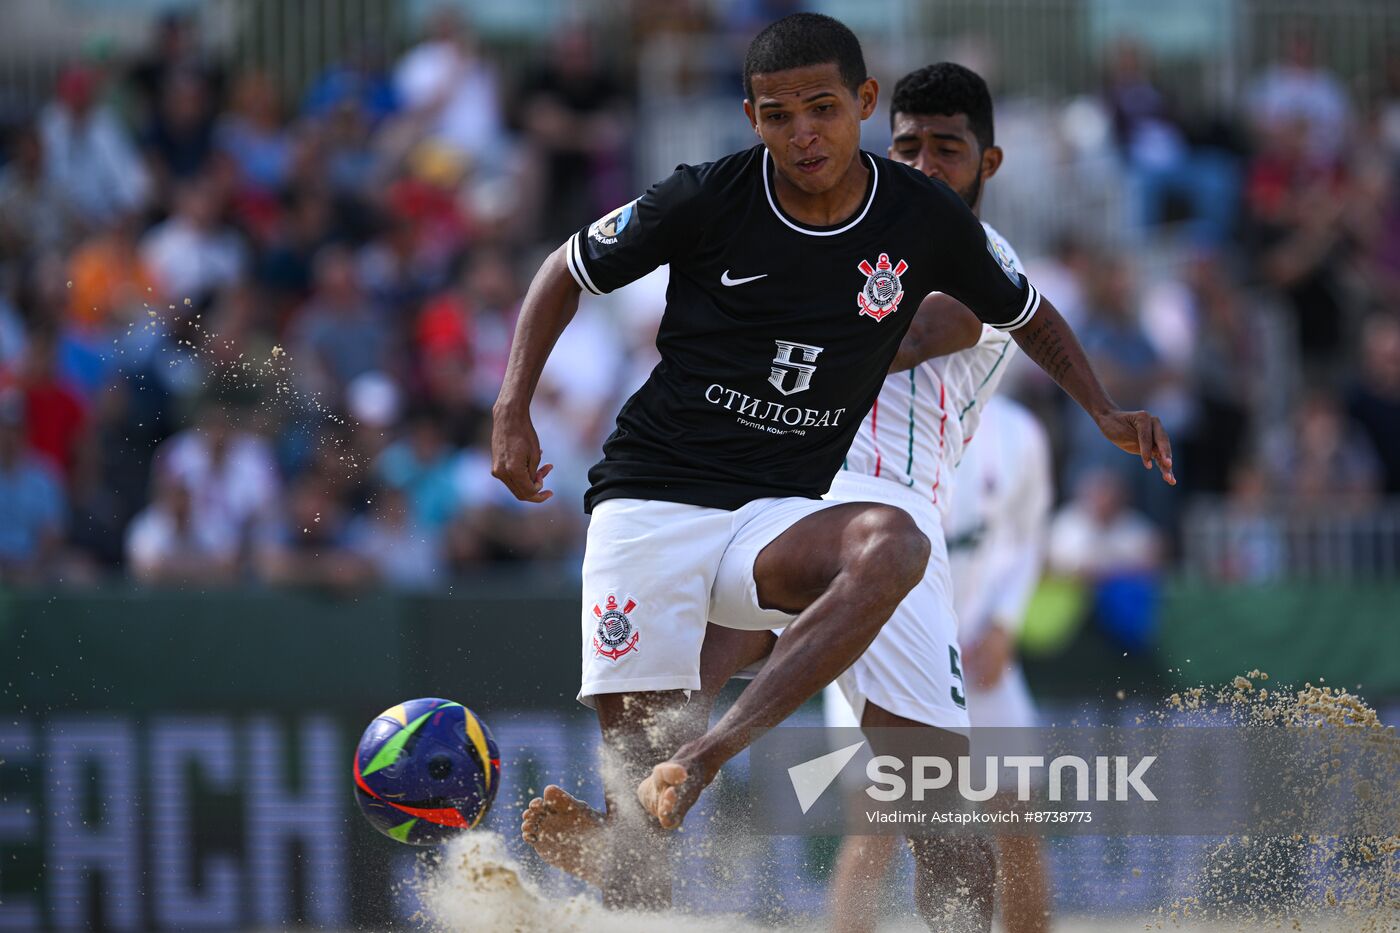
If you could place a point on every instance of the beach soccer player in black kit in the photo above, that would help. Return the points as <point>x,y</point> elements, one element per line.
<point>795,269</point>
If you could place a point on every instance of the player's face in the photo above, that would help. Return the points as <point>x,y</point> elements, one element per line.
<point>809,120</point>
<point>944,147</point>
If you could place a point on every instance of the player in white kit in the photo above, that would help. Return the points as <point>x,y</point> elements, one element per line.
<point>996,534</point>
<point>905,454</point>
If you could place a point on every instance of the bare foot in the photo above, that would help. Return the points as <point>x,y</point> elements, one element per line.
<point>669,792</point>
<point>566,832</point>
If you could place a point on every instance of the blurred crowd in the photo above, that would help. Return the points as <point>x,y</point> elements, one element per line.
<point>246,335</point>
<point>1253,302</point>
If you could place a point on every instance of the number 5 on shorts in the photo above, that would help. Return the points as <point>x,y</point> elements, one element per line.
<point>956,691</point>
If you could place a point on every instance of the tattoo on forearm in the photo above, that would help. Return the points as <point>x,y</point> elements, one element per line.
<point>1047,348</point>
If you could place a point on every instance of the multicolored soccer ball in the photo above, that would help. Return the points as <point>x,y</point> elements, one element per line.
<point>426,770</point>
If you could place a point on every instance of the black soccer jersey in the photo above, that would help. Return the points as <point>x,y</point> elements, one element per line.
<point>776,335</point>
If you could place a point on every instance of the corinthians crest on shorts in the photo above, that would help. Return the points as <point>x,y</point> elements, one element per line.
<point>883,291</point>
<point>614,636</point>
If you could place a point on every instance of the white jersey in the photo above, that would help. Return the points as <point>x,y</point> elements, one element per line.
<point>916,431</point>
<point>997,527</point>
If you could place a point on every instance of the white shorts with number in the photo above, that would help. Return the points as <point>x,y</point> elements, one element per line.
<point>912,668</point>
<point>649,578</point>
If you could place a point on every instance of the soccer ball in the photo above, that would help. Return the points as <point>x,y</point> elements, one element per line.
<point>426,770</point>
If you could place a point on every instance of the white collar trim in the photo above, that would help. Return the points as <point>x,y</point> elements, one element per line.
<point>773,203</point>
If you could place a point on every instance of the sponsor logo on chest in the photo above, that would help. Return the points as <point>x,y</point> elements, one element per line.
<point>791,372</point>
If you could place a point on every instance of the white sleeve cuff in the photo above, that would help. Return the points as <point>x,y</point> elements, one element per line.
<point>1027,311</point>
<point>575,261</point>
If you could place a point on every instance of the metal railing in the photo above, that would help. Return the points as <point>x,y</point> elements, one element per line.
<point>1278,544</point>
<point>296,42</point>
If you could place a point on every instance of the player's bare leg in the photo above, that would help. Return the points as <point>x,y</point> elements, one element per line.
<point>954,876</point>
<point>861,866</point>
<point>1025,899</point>
<point>845,570</point>
<point>567,832</point>
<point>633,853</point>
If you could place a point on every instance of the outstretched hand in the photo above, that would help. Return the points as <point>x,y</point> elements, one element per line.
<point>515,457</point>
<point>1139,432</point>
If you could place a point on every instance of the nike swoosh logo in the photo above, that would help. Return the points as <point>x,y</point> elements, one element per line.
<point>726,280</point>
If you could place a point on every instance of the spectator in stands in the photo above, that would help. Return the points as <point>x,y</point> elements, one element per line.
<point>32,504</point>
<point>360,84</point>
<point>1207,327</point>
<point>1300,225</point>
<point>177,50</point>
<point>309,545</point>
<point>1065,269</point>
<point>111,282</point>
<point>452,95</point>
<point>462,337</point>
<point>1160,159</point>
<point>228,469</point>
<point>405,262</point>
<point>495,527</point>
<point>1097,535</point>
<point>165,545</point>
<point>421,464</point>
<point>1374,401</point>
<point>179,138</point>
<point>339,333</point>
<point>88,154</point>
<point>35,218</point>
<point>193,254</point>
<point>285,265</point>
<point>253,135</point>
<point>576,128</point>
<point>1128,364</point>
<point>404,555</point>
<point>350,162</point>
<point>1296,94</point>
<point>112,481</point>
<point>1323,461</point>
<point>1254,548</point>
<point>54,412</point>
<point>1115,551</point>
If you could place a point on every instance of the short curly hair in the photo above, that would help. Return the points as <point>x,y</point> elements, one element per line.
<point>803,39</point>
<point>947,89</point>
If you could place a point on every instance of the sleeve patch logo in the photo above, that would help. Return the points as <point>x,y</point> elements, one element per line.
<point>1003,259</point>
<point>607,229</point>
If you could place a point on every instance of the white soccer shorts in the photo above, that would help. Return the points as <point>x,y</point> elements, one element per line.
<point>913,668</point>
<point>649,576</point>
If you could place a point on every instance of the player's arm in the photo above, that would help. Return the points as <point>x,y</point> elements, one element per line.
<point>549,305</point>
<point>942,325</point>
<point>1002,297</point>
<point>619,248</point>
<point>1048,340</point>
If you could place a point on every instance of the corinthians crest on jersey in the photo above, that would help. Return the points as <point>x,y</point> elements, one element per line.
<point>614,636</point>
<point>883,290</point>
